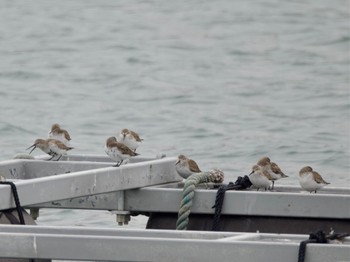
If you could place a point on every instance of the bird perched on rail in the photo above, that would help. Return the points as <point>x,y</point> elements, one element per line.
<point>310,180</point>
<point>260,178</point>
<point>118,151</point>
<point>272,169</point>
<point>60,134</point>
<point>129,138</point>
<point>186,167</point>
<point>52,147</point>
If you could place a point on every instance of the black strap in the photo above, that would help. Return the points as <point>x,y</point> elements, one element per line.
<point>15,197</point>
<point>240,184</point>
<point>317,237</point>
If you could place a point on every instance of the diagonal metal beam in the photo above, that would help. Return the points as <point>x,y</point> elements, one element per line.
<point>90,182</point>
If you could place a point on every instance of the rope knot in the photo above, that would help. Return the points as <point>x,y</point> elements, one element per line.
<point>243,182</point>
<point>216,175</point>
<point>318,237</point>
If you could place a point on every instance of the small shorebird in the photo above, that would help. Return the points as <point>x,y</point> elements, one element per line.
<point>272,168</point>
<point>260,178</point>
<point>129,138</point>
<point>186,167</point>
<point>59,134</point>
<point>52,147</point>
<point>311,180</point>
<point>118,151</point>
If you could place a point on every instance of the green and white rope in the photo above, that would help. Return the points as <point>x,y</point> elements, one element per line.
<point>214,176</point>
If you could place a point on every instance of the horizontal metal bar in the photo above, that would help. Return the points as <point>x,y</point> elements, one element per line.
<point>242,203</point>
<point>156,248</point>
<point>94,231</point>
<point>99,158</point>
<point>248,202</point>
<point>241,237</point>
<point>90,182</point>
<point>157,233</point>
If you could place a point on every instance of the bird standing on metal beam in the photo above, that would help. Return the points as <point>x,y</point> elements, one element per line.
<point>52,147</point>
<point>310,180</point>
<point>129,138</point>
<point>186,167</point>
<point>118,151</point>
<point>60,134</point>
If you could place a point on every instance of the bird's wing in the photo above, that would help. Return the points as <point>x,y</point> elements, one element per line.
<point>318,178</point>
<point>125,150</point>
<point>276,169</point>
<point>136,136</point>
<point>267,174</point>
<point>193,166</point>
<point>66,134</point>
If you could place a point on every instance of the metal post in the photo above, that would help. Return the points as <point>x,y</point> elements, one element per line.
<point>123,217</point>
<point>34,212</point>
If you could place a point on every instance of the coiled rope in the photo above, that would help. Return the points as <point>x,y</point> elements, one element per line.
<point>240,184</point>
<point>318,237</point>
<point>215,176</point>
<point>15,197</point>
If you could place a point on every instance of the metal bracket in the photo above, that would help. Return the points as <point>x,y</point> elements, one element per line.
<point>123,217</point>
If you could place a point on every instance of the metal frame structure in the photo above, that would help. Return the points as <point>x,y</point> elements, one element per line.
<point>152,185</point>
<point>76,243</point>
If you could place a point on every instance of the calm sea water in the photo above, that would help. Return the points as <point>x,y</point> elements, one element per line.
<point>223,82</point>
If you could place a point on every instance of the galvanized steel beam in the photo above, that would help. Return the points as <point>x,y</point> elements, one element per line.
<point>89,182</point>
<point>288,203</point>
<point>125,245</point>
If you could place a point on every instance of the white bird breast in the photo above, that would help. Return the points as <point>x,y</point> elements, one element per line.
<point>113,153</point>
<point>307,182</point>
<point>54,148</point>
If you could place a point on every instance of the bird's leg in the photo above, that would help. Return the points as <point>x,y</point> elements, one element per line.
<point>118,164</point>
<point>59,158</point>
<point>52,157</point>
<point>273,185</point>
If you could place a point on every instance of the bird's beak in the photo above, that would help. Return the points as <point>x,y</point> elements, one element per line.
<point>251,173</point>
<point>178,161</point>
<point>33,146</point>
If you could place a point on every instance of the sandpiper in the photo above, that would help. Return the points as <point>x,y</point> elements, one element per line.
<point>272,168</point>
<point>52,147</point>
<point>311,180</point>
<point>260,178</point>
<point>59,134</point>
<point>118,151</point>
<point>186,167</point>
<point>129,138</point>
